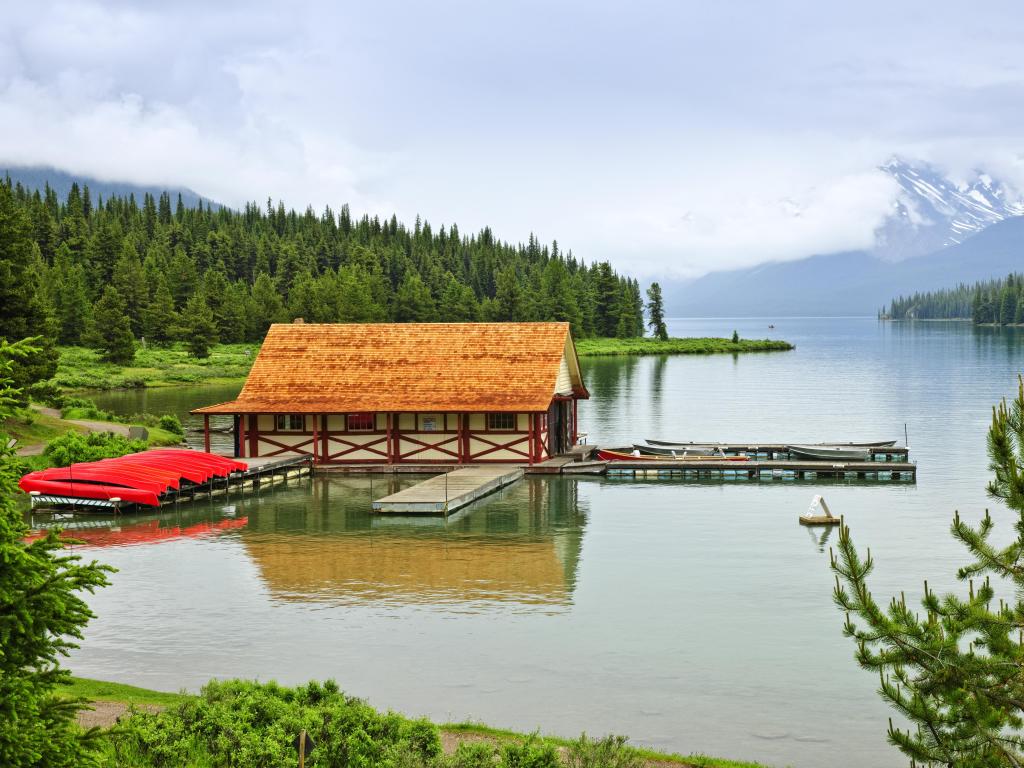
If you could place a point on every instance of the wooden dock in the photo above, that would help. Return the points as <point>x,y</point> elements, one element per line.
<point>443,494</point>
<point>766,469</point>
<point>781,450</point>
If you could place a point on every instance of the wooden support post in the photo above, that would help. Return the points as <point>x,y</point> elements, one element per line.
<point>316,436</point>
<point>391,455</point>
<point>325,438</point>
<point>532,449</point>
<point>254,440</point>
<point>240,452</point>
<point>463,446</point>
<point>206,432</point>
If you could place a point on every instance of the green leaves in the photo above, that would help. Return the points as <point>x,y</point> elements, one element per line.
<point>954,671</point>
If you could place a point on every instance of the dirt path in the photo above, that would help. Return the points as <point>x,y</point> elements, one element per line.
<point>88,425</point>
<point>101,426</point>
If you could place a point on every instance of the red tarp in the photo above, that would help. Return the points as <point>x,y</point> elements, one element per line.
<point>140,478</point>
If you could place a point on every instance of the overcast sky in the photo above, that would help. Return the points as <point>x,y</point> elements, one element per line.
<point>669,137</point>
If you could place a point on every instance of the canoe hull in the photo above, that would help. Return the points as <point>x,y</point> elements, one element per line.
<point>828,453</point>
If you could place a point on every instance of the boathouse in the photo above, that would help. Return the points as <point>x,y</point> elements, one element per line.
<point>409,393</point>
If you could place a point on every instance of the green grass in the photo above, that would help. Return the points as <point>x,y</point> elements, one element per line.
<point>687,346</point>
<point>99,690</point>
<point>501,734</point>
<point>82,368</point>
<point>30,427</point>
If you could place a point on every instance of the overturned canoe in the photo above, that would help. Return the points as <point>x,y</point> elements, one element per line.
<point>609,455</point>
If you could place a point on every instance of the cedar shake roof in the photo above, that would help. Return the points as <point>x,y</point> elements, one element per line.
<point>425,367</point>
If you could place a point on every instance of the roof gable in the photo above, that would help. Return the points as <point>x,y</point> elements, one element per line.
<point>345,368</point>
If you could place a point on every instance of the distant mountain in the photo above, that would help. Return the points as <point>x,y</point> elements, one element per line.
<point>934,212</point>
<point>36,177</point>
<point>856,283</point>
<point>941,232</point>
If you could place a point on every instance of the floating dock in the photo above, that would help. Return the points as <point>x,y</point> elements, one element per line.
<point>443,494</point>
<point>766,469</point>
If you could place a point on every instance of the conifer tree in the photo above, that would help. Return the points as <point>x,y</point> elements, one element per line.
<point>198,328</point>
<point>458,304</point>
<point>953,670</point>
<point>608,299</point>
<point>42,613</point>
<point>559,302</point>
<point>112,331</point>
<point>267,306</point>
<point>159,317</point>
<point>23,311</point>
<point>656,312</point>
<point>508,296</point>
<point>413,302</point>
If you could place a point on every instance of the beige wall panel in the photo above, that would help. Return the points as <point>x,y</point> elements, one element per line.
<point>265,422</point>
<point>477,421</point>
<point>407,422</point>
<point>563,385</point>
<point>522,421</point>
<point>382,421</point>
<point>335,422</point>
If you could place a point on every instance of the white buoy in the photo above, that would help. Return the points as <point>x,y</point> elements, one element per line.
<point>819,513</point>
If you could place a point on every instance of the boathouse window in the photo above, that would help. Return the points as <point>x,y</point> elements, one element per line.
<point>290,422</point>
<point>501,421</point>
<point>360,422</point>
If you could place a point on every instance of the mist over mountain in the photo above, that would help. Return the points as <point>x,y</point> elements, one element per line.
<point>37,177</point>
<point>941,231</point>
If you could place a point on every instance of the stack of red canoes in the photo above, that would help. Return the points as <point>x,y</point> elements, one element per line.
<point>138,478</point>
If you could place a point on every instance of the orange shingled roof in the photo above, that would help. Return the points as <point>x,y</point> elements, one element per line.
<point>346,368</point>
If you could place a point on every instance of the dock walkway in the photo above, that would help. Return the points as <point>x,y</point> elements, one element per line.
<point>446,493</point>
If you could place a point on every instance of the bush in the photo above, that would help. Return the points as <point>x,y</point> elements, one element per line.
<point>171,423</point>
<point>608,752</point>
<point>71,447</point>
<point>529,753</point>
<point>247,724</point>
<point>47,393</point>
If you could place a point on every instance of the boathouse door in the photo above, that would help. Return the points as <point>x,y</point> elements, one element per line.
<point>558,427</point>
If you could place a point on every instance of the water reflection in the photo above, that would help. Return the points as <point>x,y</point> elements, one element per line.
<point>520,547</point>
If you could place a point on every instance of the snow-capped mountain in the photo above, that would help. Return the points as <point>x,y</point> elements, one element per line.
<point>933,212</point>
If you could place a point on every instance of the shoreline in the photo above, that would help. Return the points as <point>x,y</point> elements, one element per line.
<point>116,700</point>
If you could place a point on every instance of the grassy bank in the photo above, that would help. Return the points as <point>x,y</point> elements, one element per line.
<point>197,728</point>
<point>82,368</point>
<point>687,346</point>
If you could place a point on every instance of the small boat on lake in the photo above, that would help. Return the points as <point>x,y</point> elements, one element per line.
<point>829,452</point>
<point>680,446</point>
<point>605,454</point>
<point>679,450</point>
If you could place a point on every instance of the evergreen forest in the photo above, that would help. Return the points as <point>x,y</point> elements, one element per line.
<point>993,302</point>
<point>117,272</point>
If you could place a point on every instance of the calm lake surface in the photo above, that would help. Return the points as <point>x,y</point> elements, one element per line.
<point>692,617</point>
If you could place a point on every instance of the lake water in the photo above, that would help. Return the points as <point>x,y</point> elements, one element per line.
<point>694,617</point>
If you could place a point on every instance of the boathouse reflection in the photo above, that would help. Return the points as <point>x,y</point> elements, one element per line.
<point>520,546</point>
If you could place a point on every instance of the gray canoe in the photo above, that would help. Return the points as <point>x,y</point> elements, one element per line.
<point>678,450</point>
<point>680,446</point>
<point>829,452</point>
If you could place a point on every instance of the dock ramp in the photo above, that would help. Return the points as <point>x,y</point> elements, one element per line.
<point>443,494</point>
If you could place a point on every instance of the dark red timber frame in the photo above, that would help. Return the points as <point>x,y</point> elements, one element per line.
<point>337,446</point>
<point>492,438</point>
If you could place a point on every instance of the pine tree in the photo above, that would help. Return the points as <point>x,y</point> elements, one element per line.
<point>953,670</point>
<point>129,279</point>
<point>508,296</point>
<point>23,311</point>
<point>198,328</point>
<point>656,312</point>
<point>42,613</point>
<point>558,299</point>
<point>71,300</point>
<point>159,317</point>
<point>458,303</point>
<point>267,306</point>
<point>413,302</point>
<point>608,295</point>
<point>112,331</point>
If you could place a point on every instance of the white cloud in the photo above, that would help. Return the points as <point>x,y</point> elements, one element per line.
<point>667,137</point>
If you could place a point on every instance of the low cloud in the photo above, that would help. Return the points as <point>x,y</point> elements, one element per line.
<point>670,138</point>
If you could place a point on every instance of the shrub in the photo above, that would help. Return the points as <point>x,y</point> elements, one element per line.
<point>47,393</point>
<point>607,752</point>
<point>171,423</point>
<point>529,753</point>
<point>248,724</point>
<point>71,447</point>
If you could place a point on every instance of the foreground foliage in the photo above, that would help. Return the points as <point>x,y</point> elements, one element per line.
<point>953,671</point>
<point>73,447</point>
<point>41,614</point>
